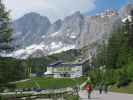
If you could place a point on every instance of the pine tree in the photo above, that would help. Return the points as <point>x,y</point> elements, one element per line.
<point>5,39</point>
<point>5,29</point>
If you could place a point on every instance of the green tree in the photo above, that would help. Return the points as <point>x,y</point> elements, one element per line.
<point>6,69</point>
<point>117,55</point>
<point>101,55</point>
<point>5,29</point>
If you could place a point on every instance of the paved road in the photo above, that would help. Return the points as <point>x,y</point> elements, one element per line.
<point>110,96</point>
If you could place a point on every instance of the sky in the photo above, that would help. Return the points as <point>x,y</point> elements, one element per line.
<point>58,9</point>
<point>102,5</point>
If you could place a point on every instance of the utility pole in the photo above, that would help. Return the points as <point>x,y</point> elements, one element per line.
<point>29,70</point>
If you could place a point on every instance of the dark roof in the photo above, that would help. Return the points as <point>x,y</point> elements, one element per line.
<point>56,63</point>
<point>59,64</point>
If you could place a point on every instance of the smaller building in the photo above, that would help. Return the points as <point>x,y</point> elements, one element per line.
<point>62,70</point>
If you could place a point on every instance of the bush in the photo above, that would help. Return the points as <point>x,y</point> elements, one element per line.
<point>130,70</point>
<point>123,81</point>
<point>71,97</point>
<point>7,98</point>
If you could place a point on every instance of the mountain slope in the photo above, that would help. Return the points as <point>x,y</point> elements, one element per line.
<point>36,36</point>
<point>29,28</point>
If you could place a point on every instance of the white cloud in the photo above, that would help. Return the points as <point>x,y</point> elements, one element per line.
<point>54,9</point>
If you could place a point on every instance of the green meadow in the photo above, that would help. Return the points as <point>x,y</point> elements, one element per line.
<point>50,83</point>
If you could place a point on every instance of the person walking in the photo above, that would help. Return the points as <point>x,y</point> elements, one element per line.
<point>88,88</point>
<point>100,89</point>
<point>106,89</point>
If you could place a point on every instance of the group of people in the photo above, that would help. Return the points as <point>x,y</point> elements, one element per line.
<point>101,88</point>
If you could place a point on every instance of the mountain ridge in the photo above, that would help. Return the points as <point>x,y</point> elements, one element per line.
<point>73,32</point>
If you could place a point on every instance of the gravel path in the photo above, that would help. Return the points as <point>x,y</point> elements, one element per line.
<point>110,96</point>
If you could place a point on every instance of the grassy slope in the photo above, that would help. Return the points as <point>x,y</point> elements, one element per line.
<point>39,64</point>
<point>128,89</point>
<point>50,83</point>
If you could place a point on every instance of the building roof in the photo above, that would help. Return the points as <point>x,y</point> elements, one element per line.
<point>56,63</point>
<point>78,62</point>
<point>59,64</point>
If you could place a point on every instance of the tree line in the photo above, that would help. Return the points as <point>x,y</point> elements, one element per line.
<point>114,58</point>
<point>10,69</point>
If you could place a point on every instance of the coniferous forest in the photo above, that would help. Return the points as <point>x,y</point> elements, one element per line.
<point>114,59</point>
<point>10,69</point>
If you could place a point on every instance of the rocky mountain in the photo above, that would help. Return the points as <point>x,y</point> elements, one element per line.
<point>36,36</point>
<point>29,28</point>
<point>126,10</point>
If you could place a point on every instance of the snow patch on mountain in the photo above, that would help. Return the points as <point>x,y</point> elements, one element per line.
<point>26,52</point>
<point>129,18</point>
<point>54,34</point>
<point>72,35</point>
<point>35,47</point>
<point>44,36</point>
<point>65,48</point>
<point>55,45</point>
<point>37,50</point>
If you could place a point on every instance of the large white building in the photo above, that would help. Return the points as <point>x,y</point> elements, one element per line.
<point>62,70</point>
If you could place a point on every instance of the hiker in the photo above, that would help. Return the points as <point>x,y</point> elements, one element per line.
<point>100,89</point>
<point>105,89</point>
<point>76,89</point>
<point>88,87</point>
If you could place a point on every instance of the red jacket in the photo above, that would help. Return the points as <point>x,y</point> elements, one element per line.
<point>88,88</point>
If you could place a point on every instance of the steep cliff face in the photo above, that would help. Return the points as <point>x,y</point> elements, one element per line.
<point>35,36</point>
<point>126,10</point>
<point>29,28</point>
<point>69,31</point>
<point>55,27</point>
<point>97,27</point>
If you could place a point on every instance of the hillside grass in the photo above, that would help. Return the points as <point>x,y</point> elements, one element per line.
<point>40,64</point>
<point>50,83</point>
<point>128,89</point>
